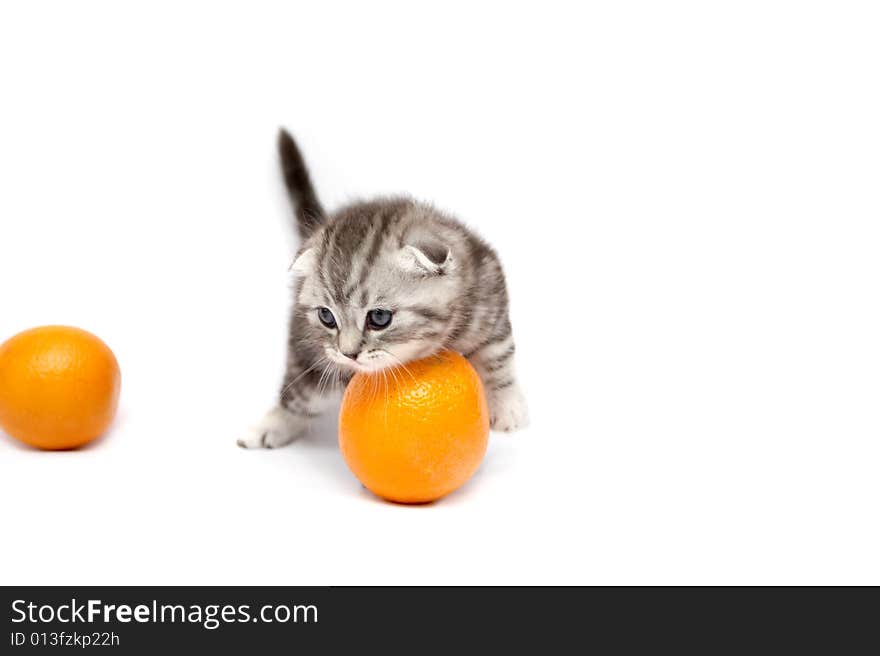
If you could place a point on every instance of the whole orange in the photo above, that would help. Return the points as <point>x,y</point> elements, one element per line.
<point>415,434</point>
<point>59,387</point>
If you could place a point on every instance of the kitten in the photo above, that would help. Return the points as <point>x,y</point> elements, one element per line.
<point>380,283</point>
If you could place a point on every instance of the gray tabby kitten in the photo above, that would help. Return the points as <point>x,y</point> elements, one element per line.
<point>380,283</point>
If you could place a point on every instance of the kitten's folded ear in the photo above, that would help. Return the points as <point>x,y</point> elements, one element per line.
<point>425,259</point>
<point>304,262</point>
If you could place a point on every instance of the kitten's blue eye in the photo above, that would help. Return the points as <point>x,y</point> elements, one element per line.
<point>326,317</point>
<point>378,319</point>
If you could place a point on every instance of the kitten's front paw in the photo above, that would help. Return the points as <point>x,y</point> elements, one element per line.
<point>277,428</point>
<point>508,410</point>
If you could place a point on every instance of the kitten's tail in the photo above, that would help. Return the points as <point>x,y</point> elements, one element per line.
<point>309,213</point>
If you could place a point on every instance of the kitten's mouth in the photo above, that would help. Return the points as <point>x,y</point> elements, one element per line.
<point>366,363</point>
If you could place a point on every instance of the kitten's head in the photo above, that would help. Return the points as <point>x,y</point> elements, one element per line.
<point>377,287</point>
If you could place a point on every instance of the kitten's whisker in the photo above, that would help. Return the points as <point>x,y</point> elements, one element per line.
<point>400,364</point>
<point>385,379</point>
<point>394,375</point>
<point>374,387</point>
<point>324,378</point>
<point>295,380</point>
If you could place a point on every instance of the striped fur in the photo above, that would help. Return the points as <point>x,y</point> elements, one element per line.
<point>443,284</point>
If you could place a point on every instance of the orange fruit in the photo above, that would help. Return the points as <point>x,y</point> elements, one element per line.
<point>59,387</point>
<point>416,434</point>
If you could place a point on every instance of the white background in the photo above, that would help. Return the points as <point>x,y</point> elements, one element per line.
<point>685,196</point>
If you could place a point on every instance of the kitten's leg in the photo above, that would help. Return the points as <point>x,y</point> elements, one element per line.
<point>302,399</point>
<point>493,360</point>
